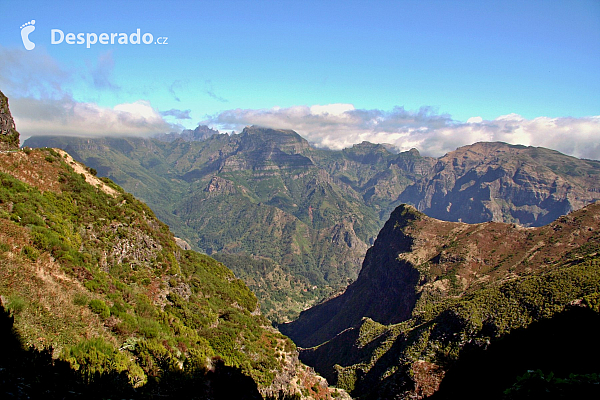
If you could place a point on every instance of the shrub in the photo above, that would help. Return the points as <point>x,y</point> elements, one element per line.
<point>100,308</point>
<point>16,304</point>
<point>148,328</point>
<point>95,358</point>
<point>30,253</point>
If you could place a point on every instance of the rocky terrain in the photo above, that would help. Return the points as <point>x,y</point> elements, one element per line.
<point>431,291</point>
<point>9,137</point>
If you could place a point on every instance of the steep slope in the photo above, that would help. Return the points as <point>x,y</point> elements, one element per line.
<point>92,278</point>
<point>432,291</point>
<point>379,175</point>
<point>312,213</point>
<point>383,291</point>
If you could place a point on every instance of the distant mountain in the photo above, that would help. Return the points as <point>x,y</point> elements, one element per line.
<point>267,195</point>
<point>432,296</point>
<point>531,186</point>
<point>202,132</point>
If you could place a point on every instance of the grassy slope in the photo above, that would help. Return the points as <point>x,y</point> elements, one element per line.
<point>88,273</point>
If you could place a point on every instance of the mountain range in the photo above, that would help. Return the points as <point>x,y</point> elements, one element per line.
<point>308,215</point>
<point>486,286</point>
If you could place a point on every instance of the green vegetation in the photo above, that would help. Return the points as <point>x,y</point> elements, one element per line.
<point>438,333</point>
<point>283,294</point>
<point>100,279</point>
<point>313,227</point>
<point>314,212</point>
<point>95,369</point>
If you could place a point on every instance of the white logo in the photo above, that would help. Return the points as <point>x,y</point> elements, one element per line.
<point>26,29</point>
<point>57,36</point>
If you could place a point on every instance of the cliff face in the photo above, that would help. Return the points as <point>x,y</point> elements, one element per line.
<point>384,290</point>
<point>500,182</point>
<point>9,137</point>
<point>430,290</point>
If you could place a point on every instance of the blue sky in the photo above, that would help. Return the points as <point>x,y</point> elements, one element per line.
<point>336,71</point>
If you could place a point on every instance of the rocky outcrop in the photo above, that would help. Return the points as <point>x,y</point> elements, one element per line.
<point>183,245</point>
<point>9,137</point>
<point>219,186</point>
<point>384,291</point>
<point>430,290</point>
<point>530,186</point>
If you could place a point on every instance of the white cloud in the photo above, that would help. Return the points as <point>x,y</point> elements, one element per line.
<point>66,116</point>
<point>337,126</point>
<point>474,120</point>
<point>337,109</point>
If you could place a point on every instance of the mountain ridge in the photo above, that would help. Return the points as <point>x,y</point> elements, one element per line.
<point>324,208</point>
<point>474,285</point>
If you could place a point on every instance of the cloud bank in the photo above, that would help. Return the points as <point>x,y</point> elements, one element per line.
<point>69,117</point>
<point>337,126</point>
<point>178,114</point>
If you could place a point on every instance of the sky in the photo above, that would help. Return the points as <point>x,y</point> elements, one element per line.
<point>434,75</point>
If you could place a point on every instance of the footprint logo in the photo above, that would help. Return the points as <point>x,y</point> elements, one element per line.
<point>26,29</point>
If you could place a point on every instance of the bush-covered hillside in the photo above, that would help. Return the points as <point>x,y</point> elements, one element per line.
<point>92,278</point>
<point>467,288</point>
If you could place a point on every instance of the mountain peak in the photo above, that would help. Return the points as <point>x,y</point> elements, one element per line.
<point>202,132</point>
<point>286,140</point>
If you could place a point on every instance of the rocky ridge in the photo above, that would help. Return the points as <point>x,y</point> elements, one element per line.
<point>429,289</point>
<point>530,186</point>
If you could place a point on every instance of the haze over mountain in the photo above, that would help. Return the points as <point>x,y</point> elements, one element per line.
<point>311,214</point>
